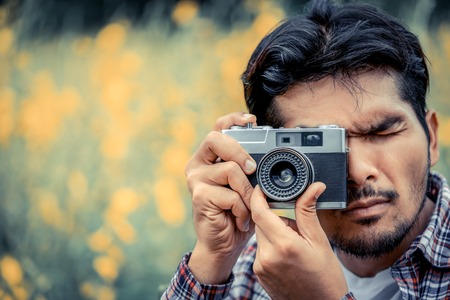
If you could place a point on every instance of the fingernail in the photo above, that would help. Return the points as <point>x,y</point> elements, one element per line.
<point>247,226</point>
<point>248,116</point>
<point>250,165</point>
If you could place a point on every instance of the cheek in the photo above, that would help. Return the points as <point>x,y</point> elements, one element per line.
<point>405,166</point>
<point>406,171</point>
<point>400,158</point>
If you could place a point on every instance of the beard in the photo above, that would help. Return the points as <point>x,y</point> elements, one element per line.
<point>375,244</point>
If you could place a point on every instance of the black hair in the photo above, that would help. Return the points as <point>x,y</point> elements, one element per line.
<point>337,40</point>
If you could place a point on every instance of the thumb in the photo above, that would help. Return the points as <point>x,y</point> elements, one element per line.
<point>305,211</point>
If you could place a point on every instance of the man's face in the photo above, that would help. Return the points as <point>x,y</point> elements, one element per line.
<point>388,160</point>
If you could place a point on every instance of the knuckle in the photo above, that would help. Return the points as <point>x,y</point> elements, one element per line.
<point>227,120</point>
<point>188,168</point>
<point>209,141</point>
<point>195,181</point>
<point>235,199</point>
<point>197,159</point>
<point>286,248</point>
<point>220,121</point>
<point>266,260</point>
<point>190,182</point>
<point>231,168</point>
<point>258,269</point>
<point>192,175</point>
<point>211,137</point>
<point>256,216</point>
<point>199,193</point>
<point>248,190</point>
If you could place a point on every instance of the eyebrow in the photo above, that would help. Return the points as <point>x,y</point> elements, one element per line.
<point>380,125</point>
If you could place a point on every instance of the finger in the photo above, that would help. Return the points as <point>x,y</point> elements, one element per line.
<point>236,118</point>
<point>217,145</point>
<point>235,178</point>
<point>222,199</point>
<point>305,211</point>
<point>237,208</point>
<point>223,174</point>
<point>266,220</point>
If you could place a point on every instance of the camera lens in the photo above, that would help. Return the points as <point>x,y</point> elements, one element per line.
<point>284,174</point>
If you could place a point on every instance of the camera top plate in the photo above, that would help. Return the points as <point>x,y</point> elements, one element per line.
<point>261,139</point>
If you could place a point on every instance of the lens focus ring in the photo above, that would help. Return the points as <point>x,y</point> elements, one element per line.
<point>272,170</point>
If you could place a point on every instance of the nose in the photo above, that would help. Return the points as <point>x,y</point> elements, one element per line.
<point>361,162</point>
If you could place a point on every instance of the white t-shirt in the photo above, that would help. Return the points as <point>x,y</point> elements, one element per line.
<point>380,287</point>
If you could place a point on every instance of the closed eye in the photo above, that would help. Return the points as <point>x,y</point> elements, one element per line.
<point>393,130</point>
<point>386,133</point>
<point>387,127</point>
<point>377,135</point>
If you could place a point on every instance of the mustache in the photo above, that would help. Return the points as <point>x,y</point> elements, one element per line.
<point>355,194</point>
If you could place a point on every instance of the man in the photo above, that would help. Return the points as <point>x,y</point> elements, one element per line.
<point>354,66</point>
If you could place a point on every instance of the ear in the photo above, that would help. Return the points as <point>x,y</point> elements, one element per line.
<point>433,124</point>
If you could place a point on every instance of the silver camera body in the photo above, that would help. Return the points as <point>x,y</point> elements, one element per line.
<point>290,159</point>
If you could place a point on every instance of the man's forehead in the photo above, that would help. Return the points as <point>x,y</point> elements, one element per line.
<point>357,85</point>
<point>324,102</point>
<point>357,121</point>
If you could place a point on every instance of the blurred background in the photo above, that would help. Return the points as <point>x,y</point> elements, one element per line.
<point>102,103</point>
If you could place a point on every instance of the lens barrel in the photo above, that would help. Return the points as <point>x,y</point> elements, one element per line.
<point>284,173</point>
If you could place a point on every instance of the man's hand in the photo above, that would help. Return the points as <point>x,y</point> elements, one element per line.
<point>294,258</point>
<point>217,179</point>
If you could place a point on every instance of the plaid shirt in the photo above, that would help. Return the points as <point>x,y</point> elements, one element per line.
<point>422,272</point>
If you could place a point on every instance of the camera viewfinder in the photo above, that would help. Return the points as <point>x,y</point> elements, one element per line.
<point>312,139</point>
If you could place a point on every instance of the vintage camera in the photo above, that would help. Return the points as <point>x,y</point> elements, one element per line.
<point>290,159</point>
